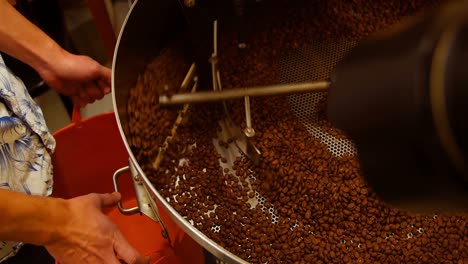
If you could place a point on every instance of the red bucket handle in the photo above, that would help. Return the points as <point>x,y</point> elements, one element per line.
<point>76,115</point>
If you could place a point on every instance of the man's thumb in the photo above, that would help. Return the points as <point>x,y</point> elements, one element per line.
<point>109,199</point>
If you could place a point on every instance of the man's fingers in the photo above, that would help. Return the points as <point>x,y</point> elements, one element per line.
<point>104,86</point>
<point>105,75</point>
<point>93,91</point>
<point>82,93</point>
<point>113,260</point>
<point>109,199</point>
<point>126,252</point>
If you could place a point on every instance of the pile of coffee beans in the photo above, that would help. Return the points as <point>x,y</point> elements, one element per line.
<point>150,124</point>
<point>300,203</point>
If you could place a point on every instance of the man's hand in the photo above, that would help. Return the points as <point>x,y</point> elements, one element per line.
<point>79,77</point>
<point>90,237</point>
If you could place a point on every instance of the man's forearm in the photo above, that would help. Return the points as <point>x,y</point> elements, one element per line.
<point>31,219</point>
<point>24,41</point>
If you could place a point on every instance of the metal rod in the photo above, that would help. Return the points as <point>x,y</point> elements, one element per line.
<point>249,131</point>
<point>214,55</point>
<point>218,80</point>
<point>188,77</point>
<point>177,123</point>
<point>220,86</point>
<point>215,37</point>
<point>208,96</point>
<point>213,73</point>
<point>248,120</point>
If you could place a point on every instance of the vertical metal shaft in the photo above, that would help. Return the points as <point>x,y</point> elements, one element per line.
<point>215,37</point>
<point>214,55</point>
<point>249,131</point>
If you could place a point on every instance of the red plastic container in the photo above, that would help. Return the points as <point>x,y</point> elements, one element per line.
<point>88,152</point>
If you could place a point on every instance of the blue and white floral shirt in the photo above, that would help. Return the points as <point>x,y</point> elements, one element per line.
<point>25,145</point>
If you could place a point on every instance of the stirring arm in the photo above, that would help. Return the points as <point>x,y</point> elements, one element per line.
<point>212,96</point>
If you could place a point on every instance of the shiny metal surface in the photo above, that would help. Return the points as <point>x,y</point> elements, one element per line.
<point>125,211</point>
<point>145,30</point>
<point>281,89</point>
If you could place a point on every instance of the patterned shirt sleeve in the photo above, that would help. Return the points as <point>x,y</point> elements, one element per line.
<point>25,145</point>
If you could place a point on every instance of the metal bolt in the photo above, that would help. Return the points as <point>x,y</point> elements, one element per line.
<point>136,177</point>
<point>249,132</point>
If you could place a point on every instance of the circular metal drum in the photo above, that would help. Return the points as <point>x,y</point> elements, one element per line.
<point>260,179</point>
